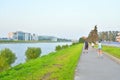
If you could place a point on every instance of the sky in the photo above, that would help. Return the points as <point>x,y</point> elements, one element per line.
<point>70,19</point>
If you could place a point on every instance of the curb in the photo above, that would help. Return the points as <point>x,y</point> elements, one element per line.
<point>112,57</point>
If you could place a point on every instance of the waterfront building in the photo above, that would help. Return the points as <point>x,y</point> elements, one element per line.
<point>10,35</point>
<point>19,35</point>
<point>28,37</point>
<point>47,38</point>
<point>35,37</point>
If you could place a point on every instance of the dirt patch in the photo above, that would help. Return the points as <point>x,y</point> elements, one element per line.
<point>46,76</point>
<point>58,65</point>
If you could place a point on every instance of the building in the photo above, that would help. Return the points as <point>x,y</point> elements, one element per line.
<point>47,38</point>
<point>19,35</point>
<point>4,39</point>
<point>118,37</point>
<point>10,35</point>
<point>35,37</point>
<point>28,37</point>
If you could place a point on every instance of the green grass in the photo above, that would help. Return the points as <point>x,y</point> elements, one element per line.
<point>55,66</point>
<point>115,51</point>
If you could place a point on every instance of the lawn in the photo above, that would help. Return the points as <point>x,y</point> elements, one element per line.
<point>115,51</point>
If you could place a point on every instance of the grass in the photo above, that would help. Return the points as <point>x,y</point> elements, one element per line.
<point>58,65</point>
<point>115,51</point>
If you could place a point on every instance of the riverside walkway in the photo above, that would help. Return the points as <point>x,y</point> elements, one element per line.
<point>92,67</point>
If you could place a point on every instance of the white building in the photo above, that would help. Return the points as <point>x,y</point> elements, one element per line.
<point>35,37</point>
<point>10,35</point>
<point>28,37</point>
<point>19,35</point>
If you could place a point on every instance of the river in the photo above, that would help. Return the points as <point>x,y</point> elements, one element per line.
<point>20,48</point>
<point>117,44</point>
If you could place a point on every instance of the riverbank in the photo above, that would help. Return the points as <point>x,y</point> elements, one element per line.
<point>54,66</point>
<point>19,49</point>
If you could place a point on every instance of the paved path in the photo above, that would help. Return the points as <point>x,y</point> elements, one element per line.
<point>92,67</point>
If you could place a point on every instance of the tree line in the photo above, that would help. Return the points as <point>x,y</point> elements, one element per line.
<point>95,36</point>
<point>108,35</point>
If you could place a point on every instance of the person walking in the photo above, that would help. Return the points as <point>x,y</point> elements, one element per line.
<point>86,45</point>
<point>100,49</point>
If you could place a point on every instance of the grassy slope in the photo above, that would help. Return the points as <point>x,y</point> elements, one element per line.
<point>115,51</point>
<point>55,66</point>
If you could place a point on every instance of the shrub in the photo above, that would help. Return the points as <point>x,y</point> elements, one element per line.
<point>65,46</point>
<point>58,48</point>
<point>81,40</point>
<point>74,43</point>
<point>32,53</point>
<point>3,64</point>
<point>7,57</point>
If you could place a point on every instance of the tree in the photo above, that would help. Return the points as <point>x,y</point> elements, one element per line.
<point>93,35</point>
<point>108,35</point>
<point>32,53</point>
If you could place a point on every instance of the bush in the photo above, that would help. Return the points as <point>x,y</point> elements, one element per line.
<point>65,46</point>
<point>61,47</point>
<point>74,43</point>
<point>7,57</point>
<point>81,40</point>
<point>58,48</point>
<point>3,64</point>
<point>32,53</point>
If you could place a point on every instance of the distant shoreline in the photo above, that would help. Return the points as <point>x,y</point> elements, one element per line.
<point>7,42</point>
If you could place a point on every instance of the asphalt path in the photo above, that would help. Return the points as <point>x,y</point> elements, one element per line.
<point>94,67</point>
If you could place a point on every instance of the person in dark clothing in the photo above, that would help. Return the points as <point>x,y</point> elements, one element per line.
<point>86,45</point>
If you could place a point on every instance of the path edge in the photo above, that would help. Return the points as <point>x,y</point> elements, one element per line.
<point>117,60</point>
